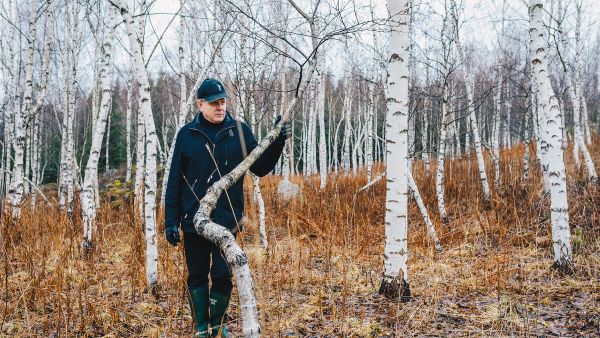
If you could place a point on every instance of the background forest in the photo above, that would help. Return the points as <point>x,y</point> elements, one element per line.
<point>92,94</point>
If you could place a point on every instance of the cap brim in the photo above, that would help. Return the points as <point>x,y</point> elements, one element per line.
<point>215,97</point>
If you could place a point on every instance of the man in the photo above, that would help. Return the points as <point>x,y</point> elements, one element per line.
<point>207,148</point>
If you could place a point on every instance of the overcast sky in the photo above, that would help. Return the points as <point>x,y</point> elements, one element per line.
<point>481,26</point>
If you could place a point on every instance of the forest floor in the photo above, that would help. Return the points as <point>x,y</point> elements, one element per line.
<point>321,273</point>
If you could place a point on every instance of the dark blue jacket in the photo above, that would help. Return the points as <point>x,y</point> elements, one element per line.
<point>193,171</point>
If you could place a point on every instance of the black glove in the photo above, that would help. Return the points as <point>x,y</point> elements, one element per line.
<point>286,129</point>
<point>172,235</point>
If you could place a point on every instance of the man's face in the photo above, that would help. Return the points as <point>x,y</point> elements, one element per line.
<point>213,112</point>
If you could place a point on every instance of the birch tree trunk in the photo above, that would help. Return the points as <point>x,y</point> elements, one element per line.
<point>256,180</point>
<point>17,185</point>
<point>527,142</point>
<point>559,207</point>
<point>423,209</point>
<point>128,132</point>
<point>439,172</point>
<point>107,143</point>
<point>369,143</point>
<point>347,128</point>
<point>151,148</point>
<point>574,89</point>
<point>322,145</point>
<point>140,166</point>
<point>395,275</point>
<point>496,132</point>
<point>183,105</point>
<point>424,136</point>
<point>90,182</point>
<point>72,95</point>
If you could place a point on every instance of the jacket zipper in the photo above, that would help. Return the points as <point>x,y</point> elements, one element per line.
<point>208,138</point>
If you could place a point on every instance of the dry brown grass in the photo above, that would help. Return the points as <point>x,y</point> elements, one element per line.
<point>321,273</point>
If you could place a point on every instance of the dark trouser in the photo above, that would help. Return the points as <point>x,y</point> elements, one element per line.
<point>198,251</point>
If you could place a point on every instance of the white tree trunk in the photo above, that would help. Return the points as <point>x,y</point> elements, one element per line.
<point>423,209</point>
<point>90,182</point>
<point>262,226</point>
<point>310,145</point>
<point>527,142</point>
<point>552,136</point>
<point>439,172</point>
<point>151,148</point>
<point>183,105</point>
<point>347,127</point>
<point>424,138</point>
<point>69,166</point>
<point>107,143</point>
<point>574,89</point>
<point>17,185</point>
<point>369,143</point>
<point>496,133</point>
<point>322,145</point>
<point>128,132</point>
<point>395,274</point>
<point>140,166</point>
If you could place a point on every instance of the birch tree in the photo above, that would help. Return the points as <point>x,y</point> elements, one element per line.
<point>90,182</point>
<point>322,145</point>
<point>574,90</point>
<point>471,117</point>
<point>551,140</point>
<point>395,275</point>
<point>145,109</point>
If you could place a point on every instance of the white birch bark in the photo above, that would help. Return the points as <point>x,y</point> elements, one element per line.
<point>128,132</point>
<point>355,144</point>
<point>35,145</point>
<point>107,143</point>
<point>412,185</point>
<point>13,106</point>
<point>347,127</point>
<point>262,226</point>
<point>62,181</point>
<point>574,89</point>
<point>559,207</point>
<point>375,135</point>
<point>183,106</point>
<point>439,172</point>
<point>322,145</point>
<point>34,117</point>
<point>369,143</point>
<point>527,142</point>
<point>17,184</point>
<point>90,182</point>
<point>311,137</point>
<point>140,159</point>
<point>304,140</point>
<point>335,154</point>
<point>496,132</point>
<point>395,276</point>
<point>541,148</point>
<point>69,166</point>
<point>151,148</point>
<point>288,150</point>
<point>424,138</point>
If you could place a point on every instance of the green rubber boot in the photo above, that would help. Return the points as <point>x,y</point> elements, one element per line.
<point>199,309</point>
<point>218,307</point>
